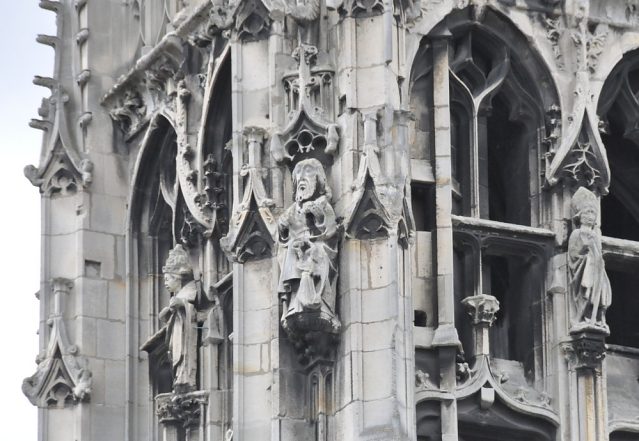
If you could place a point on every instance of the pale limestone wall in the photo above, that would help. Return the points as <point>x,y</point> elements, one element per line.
<point>130,74</point>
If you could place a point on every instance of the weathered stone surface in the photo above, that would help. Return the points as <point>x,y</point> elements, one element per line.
<point>339,220</point>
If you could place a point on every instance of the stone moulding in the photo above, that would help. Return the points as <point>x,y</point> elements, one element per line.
<point>379,204</point>
<point>252,228</point>
<point>304,137</point>
<point>581,157</point>
<point>62,169</point>
<point>181,409</point>
<point>481,376</point>
<point>62,376</point>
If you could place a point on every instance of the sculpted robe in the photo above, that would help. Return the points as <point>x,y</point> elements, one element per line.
<point>182,335</point>
<point>590,287</point>
<point>308,233</point>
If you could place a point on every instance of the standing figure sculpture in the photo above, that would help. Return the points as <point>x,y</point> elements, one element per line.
<point>308,236</point>
<point>180,315</point>
<point>589,285</point>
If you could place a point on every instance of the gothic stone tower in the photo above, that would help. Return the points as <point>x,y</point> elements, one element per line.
<point>327,220</point>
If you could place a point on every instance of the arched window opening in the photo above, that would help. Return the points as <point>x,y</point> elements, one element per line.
<point>619,112</point>
<point>499,93</point>
<point>156,194</point>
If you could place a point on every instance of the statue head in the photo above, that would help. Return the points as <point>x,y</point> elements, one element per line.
<point>177,269</point>
<point>309,180</point>
<point>584,208</point>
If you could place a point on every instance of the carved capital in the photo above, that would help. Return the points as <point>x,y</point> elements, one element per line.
<point>181,409</point>
<point>586,350</point>
<point>482,309</point>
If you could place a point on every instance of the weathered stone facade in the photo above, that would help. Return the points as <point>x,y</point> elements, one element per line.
<point>339,220</point>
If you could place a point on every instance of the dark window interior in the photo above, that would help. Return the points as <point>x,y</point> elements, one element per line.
<point>423,202</point>
<point>622,314</point>
<point>508,167</point>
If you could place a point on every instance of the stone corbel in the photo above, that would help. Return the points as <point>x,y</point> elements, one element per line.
<point>182,411</point>
<point>585,351</point>
<point>252,225</point>
<point>62,376</point>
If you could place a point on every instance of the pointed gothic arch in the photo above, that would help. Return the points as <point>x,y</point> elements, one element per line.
<point>499,94</point>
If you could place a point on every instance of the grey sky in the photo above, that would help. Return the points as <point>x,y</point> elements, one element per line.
<point>20,220</point>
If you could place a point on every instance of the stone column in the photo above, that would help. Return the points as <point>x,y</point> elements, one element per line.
<point>482,309</point>
<point>446,338</point>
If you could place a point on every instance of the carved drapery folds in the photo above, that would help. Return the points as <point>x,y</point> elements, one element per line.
<point>308,234</point>
<point>63,376</point>
<point>252,225</point>
<point>181,319</point>
<point>589,287</point>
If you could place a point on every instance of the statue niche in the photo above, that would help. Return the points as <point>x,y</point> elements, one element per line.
<point>308,235</point>
<point>589,286</point>
<point>181,319</point>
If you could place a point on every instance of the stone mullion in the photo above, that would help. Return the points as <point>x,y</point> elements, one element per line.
<point>445,339</point>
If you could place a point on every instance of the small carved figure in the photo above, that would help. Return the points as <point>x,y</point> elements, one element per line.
<point>180,315</point>
<point>589,285</point>
<point>308,234</point>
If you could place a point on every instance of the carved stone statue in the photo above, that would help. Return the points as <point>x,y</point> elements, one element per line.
<point>180,315</point>
<point>589,285</point>
<point>308,237</point>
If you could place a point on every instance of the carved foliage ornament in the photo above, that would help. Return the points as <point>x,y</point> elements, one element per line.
<point>183,409</point>
<point>585,351</point>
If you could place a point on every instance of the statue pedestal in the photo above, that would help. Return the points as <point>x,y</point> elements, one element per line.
<point>180,415</point>
<point>313,333</point>
<point>585,353</point>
